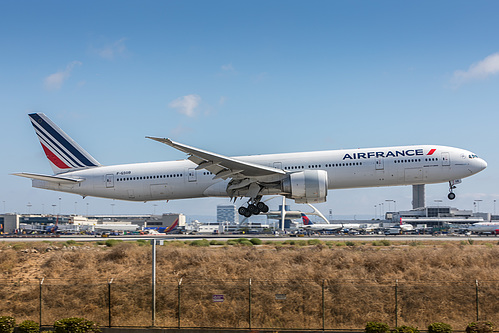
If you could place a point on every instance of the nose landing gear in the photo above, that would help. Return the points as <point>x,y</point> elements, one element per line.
<point>452,186</point>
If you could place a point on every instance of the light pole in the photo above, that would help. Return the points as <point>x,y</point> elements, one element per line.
<point>29,205</point>
<point>60,206</point>
<point>494,207</point>
<point>112,209</point>
<point>87,208</point>
<point>375,211</point>
<point>438,210</point>
<point>389,200</point>
<point>478,205</point>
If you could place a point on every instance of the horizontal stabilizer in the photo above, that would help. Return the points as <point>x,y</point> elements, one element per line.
<point>47,178</point>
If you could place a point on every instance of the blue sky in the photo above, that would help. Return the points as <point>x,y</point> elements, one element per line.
<point>248,77</point>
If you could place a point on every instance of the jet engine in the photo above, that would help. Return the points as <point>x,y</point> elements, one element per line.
<point>308,186</point>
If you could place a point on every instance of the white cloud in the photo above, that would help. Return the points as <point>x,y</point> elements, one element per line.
<point>480,70</point>
<point>186,104</point>
<point>55,81</point>
<point>228,68</point>
<point>110,51</point>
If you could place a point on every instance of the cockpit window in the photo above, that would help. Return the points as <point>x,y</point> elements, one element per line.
<point>472,156</point>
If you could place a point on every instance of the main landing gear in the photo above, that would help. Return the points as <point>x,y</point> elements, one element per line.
<point>451,194</point>
<point>253,209</point>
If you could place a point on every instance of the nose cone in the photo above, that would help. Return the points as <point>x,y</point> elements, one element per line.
<point>478,164</point>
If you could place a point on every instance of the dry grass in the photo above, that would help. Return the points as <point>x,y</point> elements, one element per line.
<point>436,282</point>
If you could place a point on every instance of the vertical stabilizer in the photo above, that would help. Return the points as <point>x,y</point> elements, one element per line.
<point>63,152</point>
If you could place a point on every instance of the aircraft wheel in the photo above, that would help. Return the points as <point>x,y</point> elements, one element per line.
<point>262,207</point>
<point>253,209</point>
<point>247,213</point>
<point>242,211</point>
<point>451,196</point>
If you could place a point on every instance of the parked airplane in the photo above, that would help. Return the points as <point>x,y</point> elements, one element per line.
<point>480,227</point>
<point>309,225</point>
<point>404,226</point>
<point>305,177</point>
<point>164,230</point>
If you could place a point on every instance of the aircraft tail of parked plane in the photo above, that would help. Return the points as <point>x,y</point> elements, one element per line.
<point>305,219</point>
<point>63,153</point>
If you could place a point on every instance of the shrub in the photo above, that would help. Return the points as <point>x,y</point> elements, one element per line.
<point>70,242</point>
<point>376,327</point>
<point>246,243</point>
<point>200,242</point>
<point>480,327</point>
<point>7,324</point>
<point>112,242</point>
<point>75,325</point>
<point>216,242</point>
<point>349,243</point>
<point>406,329</point>
<point>143,242</point>
<point>439,328</point>
<point>28,326</point>
<point>256,241</point>
<point>314,242</point>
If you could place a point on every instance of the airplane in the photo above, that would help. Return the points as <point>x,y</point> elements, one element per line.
<point>309,225</point>
<point>492,227</point>
<point>400,228</point>
<point>404,226</point>
<point>164,230</point>
<point>305,177</point>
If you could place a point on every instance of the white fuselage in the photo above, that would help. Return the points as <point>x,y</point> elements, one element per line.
<point>485,227</point>
<point>351,168</point>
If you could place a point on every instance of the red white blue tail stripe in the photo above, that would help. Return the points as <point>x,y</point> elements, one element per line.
<point>63,152</point>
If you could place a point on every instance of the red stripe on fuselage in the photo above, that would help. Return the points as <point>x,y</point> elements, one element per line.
<point>431,152</point>
<point>54,159</point>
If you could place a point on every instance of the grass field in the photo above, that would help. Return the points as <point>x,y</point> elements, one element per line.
<point>335,284</point>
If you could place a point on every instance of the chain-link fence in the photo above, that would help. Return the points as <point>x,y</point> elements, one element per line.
<point>254,304</point>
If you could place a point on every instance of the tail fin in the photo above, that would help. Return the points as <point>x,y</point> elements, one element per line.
<point>63,152</point>
<point>305,219</point>
<point>172,227</point>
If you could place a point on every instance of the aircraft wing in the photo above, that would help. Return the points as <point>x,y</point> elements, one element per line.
<point>47,178</point>
<point>222,166</point>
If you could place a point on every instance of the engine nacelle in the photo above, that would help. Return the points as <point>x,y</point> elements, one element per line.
<point>309,186</point>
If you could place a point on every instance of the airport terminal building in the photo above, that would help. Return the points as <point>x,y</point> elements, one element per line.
<point>11,223</point>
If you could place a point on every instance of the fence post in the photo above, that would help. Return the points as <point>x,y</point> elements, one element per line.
<point>153,284</point>
<point>178,301</point>
<point>109,300</point>
<point>41,282</point>
<point>396,303</point>
<point>477,303</point>
<point>323,308</point>
<point>249,304</point>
